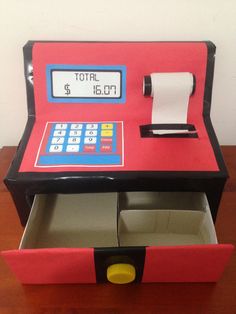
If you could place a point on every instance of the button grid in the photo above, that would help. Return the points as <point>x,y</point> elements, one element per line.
<point>89,138</point>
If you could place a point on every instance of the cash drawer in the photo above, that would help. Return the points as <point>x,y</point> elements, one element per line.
<point>75,238</point>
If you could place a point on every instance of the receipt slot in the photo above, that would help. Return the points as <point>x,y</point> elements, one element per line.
<point>120,182</point>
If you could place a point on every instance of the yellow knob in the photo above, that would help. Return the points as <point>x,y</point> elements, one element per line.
<point>121,273</point>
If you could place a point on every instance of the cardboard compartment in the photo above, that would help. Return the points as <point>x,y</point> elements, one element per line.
<point>162,219</point>
<point>72,221</point>
<point>145,219</point>
<point>60,236</point>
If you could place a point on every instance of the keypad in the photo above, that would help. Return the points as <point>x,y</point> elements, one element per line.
<point>82,137</point>
<point>83,144</point>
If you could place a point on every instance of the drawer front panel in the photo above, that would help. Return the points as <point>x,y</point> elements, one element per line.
<point>46,266</point>
<point>194,263</point>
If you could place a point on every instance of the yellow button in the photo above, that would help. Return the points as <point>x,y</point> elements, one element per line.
<point>107,126</point>
<point>121,273</point>
<point>106,133</point>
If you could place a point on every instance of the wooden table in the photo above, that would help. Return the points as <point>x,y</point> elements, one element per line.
<point>104,298</point>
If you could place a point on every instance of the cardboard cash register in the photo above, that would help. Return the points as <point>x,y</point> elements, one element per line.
<point>118,175</point>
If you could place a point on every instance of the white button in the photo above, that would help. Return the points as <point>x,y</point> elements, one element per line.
<point>90,140</point>
<point>75,133</point>
<point>92,126</point>
<point>61,126</point>
<point>74,140</point>
<point>55,148</point>
<point>57,140</point>
<point>59,133</point>
<point>76,126</point>
<point>72,148</point>
<point>91,133</point>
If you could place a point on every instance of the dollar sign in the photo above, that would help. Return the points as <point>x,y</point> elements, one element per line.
<point>67,90</point>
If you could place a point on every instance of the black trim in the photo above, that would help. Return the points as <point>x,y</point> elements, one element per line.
<point>147,85</point>
<point>147,130</point>
<point>104,257</point>
<point>207,108</point>
<point>26,185</point>
<point>28,71</point>
<point>194,85</point>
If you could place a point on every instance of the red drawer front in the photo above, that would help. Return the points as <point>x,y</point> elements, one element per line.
<point>192,263</point>
<point>45,266</point>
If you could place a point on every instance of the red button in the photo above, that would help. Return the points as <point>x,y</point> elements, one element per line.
<point>89,148</point>
<point>106,148</point>
<point>106,140</point>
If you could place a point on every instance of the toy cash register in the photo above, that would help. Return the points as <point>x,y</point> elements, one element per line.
<point>119,175</point>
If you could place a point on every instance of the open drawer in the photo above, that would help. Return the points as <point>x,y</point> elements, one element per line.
<point>75,238</point>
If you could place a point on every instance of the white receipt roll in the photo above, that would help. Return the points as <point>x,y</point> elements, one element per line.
<point>170,92</point>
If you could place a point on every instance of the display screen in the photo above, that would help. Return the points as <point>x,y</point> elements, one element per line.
<point>86,84</point>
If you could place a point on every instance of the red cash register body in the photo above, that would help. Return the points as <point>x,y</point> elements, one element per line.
<point>168,163</point>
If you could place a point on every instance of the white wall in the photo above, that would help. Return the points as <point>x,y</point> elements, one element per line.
<point>21,20</point>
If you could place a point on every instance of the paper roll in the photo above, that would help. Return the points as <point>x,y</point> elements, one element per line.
<point>170,92</point>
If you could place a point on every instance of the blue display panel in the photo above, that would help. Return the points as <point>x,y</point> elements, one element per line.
<point>86,84</point>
